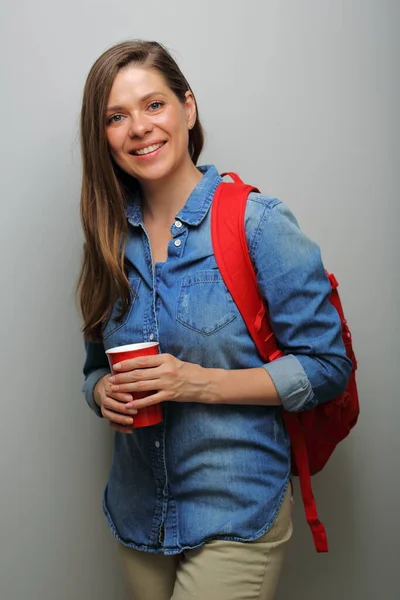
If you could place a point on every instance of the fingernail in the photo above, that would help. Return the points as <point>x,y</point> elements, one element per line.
<point>112,379</point>
<point>117,366</point>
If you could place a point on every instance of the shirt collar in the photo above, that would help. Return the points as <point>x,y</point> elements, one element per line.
<point>196,206</point>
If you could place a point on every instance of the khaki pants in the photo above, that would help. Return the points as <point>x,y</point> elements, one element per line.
<point>219,570</point>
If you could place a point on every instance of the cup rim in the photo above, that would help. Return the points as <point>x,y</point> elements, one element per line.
<point>131,347</point>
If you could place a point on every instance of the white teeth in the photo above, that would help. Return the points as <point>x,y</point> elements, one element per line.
<point>148,149</point>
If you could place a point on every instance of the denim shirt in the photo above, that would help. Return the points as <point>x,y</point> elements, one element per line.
<point>216,471</point>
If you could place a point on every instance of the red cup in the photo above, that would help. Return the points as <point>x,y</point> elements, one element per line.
<point>151,415</point>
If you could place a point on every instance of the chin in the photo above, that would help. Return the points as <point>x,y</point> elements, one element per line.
<point>154,173</point>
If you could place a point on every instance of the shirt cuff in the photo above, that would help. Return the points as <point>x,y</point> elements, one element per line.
<point>291,382</point>
<point>89,385</point>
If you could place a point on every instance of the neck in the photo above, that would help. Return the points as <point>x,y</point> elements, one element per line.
<point>163,199</point>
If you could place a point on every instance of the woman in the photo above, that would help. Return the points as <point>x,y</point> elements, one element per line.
<point>201,502</point>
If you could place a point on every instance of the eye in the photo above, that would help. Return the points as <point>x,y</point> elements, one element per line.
<point>155,105</point>
<point>114,119</point>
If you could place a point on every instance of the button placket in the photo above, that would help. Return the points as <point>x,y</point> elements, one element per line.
<point>158,466</point>
<point>179,234</point>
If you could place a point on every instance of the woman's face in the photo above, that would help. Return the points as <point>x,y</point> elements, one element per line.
<point>147,125</point>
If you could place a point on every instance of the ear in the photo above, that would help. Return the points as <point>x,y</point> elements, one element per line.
<point>190,108</point>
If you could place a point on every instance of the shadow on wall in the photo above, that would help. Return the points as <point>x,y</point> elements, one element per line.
<point>333,575</point>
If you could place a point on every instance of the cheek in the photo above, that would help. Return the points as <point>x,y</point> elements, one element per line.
<point>115,139</point>
<point>181,135</point>
<point>173,121</point>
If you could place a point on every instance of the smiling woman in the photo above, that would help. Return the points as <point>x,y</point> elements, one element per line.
<point>202,497</point>
<point>148,126</point>
<point>125,86</point>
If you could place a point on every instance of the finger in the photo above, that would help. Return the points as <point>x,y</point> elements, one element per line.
<point>137,386</point>
<point>119,428</point>
<point>143,362</point>
<point>152,399</point>
<point>119,396</point>
<point>117,418</point>
<point>115,404</point>
<point>135,375</point>
<point>118,407</point>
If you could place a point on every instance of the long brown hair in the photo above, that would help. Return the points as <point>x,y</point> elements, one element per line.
<point>102,279</point>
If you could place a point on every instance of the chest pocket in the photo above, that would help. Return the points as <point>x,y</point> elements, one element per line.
<point>204,303</point>
<point>113,325</point>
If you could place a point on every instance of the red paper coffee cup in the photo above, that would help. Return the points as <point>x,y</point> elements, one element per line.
<point>151,415</point>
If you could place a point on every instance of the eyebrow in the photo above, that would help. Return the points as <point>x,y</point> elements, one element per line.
<point>143,99</point>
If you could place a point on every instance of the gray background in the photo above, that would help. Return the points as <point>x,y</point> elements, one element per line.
<point>301,98</point>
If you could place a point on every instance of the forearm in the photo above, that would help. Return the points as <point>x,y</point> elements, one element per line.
<point>171,379</point>
<point>90,389</point>
<point>242,386</point>
<point>96,392</point>
<point>95,367</point>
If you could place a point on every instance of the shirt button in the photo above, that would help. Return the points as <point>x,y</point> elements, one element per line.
<point>178,224</point>
<point>151,337</point>
<point>177,243</point>
<point>157,444</point>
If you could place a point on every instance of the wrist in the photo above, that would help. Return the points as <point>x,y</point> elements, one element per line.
<point>96,392</point>
<point>204,386</point>
<point>215,386</point>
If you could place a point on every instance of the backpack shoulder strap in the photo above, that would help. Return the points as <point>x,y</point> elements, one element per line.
<point>233,260</point>
<point>232,256</point>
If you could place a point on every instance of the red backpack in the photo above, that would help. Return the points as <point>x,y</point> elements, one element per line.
<point>313,433</point>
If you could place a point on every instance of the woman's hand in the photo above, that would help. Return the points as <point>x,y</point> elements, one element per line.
<point>170,378</point>
<point>165,377</point>
<point>114,406</point>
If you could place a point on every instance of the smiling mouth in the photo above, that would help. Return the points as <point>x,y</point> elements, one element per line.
<point>147,150</point>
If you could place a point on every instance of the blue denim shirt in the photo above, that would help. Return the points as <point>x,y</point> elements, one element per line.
<point>216,471</point>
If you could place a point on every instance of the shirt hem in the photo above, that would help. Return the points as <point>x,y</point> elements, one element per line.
<point>171,551</point>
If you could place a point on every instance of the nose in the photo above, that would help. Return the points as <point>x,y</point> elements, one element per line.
<point>140,124</point>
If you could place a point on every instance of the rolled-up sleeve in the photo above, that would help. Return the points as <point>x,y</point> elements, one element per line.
<point>95,367</point>
<point>296,291</point>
